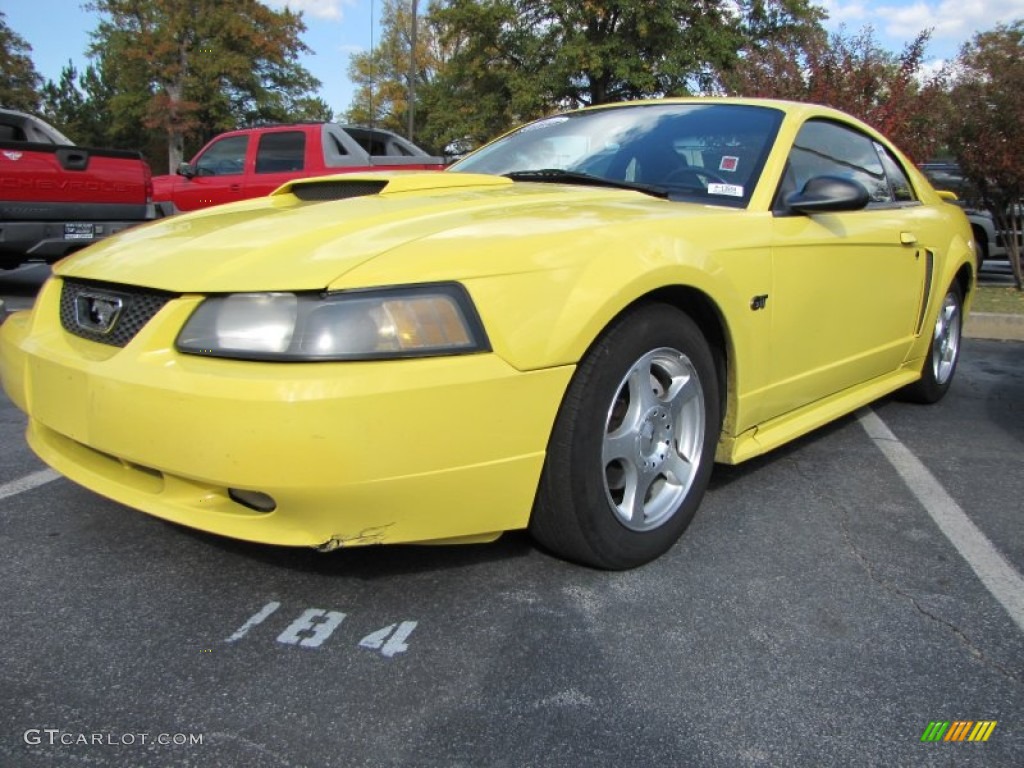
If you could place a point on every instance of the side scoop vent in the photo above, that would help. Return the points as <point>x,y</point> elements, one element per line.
<point>337,190</point>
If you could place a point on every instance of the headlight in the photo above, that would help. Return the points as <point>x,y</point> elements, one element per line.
<point>417,321</point>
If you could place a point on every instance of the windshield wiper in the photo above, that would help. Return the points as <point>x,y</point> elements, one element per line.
<point>560,176</point>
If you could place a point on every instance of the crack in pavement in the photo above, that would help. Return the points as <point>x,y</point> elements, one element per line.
<point>970,645</point>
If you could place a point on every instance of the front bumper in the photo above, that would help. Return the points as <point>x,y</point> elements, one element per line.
<point>352,453</point>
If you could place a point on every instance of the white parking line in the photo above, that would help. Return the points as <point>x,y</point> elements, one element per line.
<point>1005,583</point>
<point>27,483</point>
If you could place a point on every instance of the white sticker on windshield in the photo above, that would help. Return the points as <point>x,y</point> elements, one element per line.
<point>732,190</point>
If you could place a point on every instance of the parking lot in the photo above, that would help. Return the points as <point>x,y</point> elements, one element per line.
<point>815,613</point>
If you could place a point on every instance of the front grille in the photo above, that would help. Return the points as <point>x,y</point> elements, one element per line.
<point>138,306</point>
<point>336,190</point>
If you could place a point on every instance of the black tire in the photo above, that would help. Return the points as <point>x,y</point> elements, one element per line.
<point>943,354</point>
<point>646,391</point>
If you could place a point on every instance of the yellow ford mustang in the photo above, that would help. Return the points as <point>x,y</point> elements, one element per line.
<point>562,332</point>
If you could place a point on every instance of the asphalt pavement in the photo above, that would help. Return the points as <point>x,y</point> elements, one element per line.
<point>814,614</point>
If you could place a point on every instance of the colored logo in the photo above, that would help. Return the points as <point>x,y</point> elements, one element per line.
<point>958,730</point>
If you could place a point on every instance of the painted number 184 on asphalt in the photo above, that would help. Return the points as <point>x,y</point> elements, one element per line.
<point>315,625</point>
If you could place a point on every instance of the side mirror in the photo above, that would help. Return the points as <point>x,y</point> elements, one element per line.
<point>824,194</point>
<point>186,170</point>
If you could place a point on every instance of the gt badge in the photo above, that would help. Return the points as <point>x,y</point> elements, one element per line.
<point>759,302</point>
<point>97,312</point>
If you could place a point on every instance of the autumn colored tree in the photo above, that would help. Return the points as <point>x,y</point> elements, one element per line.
<point>382,75</point>
<point>192,68</point>
<point>986,128</point>
<point>19,80</point>
<point>853,73</point>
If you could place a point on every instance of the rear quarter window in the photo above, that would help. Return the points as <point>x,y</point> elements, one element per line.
<point>281,152</point>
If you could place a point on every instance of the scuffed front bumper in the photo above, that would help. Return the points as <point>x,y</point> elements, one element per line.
<point>352,453</point>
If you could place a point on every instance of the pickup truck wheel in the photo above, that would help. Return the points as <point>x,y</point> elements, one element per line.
<point>980,246</point>
<point>633,444</point>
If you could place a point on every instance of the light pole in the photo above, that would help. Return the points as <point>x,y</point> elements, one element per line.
<point>373,68</point>
<point>412,74</point>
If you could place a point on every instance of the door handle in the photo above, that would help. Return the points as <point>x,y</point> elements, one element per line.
<point>236,187</point>
<point>908,238</point>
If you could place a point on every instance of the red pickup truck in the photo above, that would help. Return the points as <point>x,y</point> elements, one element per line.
<point>56,198</point>
<point>252,162</point>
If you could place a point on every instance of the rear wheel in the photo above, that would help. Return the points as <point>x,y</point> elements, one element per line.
<point>940,364</point>
<point>633,444</point>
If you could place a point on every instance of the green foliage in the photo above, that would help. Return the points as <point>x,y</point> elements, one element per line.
<point>19,80</point>
<point>192,68</point>
<point>381,75</point>
<point>486,85</point>
<point>483,66</point>
<point>986,126</point>
<point>615,50</point>
<point>78,104</point>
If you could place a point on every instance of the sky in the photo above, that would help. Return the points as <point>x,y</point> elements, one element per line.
<point>58,30</point>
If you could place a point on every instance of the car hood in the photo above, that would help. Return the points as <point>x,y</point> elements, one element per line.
<point>284,242</point>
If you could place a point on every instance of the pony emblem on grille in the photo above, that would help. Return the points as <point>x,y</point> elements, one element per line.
<point>97,312</point>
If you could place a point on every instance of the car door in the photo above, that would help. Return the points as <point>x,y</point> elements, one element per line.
<point>219,175</point>
<point>847,286</point>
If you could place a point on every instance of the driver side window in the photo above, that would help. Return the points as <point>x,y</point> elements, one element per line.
<point>225,157</point>
<point>824,148</point>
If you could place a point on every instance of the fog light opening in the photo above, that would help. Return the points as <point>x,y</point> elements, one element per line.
<point>260,502</point>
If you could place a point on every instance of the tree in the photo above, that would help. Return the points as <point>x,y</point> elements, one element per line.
<point>192,68</point>
<point>381,75</point>
<point>853,73</point>
<point>487,65</point>
<point>986,128</point>
<point>78,105</point>
<point>488,81</point>
<point>19,80</point>
<point>598,51</point>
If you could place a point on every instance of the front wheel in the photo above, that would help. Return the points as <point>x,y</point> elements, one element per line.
<point>633,444</point>
<point>940,364</point>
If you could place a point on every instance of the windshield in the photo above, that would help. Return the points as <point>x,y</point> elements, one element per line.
<point>706,152</point>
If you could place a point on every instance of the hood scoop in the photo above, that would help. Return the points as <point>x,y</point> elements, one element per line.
<point>336,190</point>
<point>341,187</point>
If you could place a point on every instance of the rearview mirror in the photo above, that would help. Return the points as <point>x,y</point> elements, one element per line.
<point>186,170</point>
<point>824,194</point>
